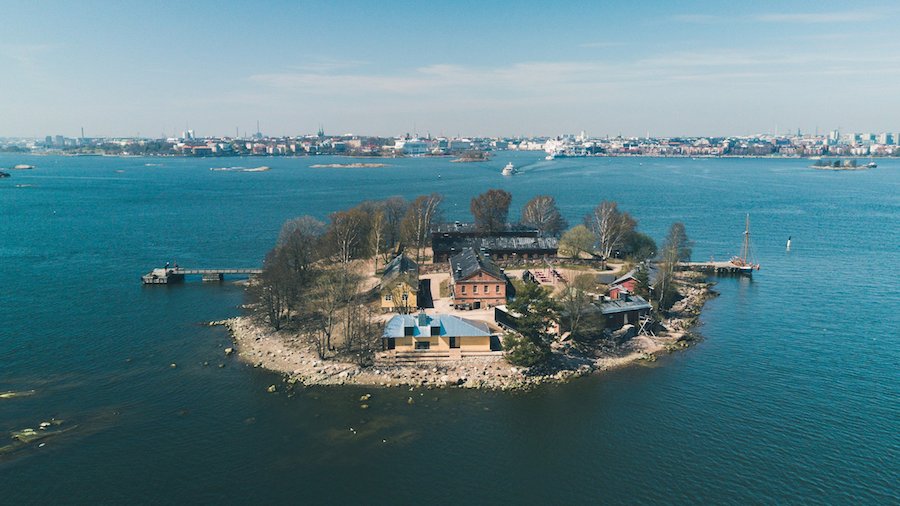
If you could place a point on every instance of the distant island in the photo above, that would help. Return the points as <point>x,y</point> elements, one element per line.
<point>356,165</point>
<point>841,165</point>
<point>262,168</point>
<point>486,304</point>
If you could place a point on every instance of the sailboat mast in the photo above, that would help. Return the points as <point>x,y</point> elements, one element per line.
<point>745,249</point>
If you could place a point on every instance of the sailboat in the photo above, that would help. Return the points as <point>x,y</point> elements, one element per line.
<point>743,262</point>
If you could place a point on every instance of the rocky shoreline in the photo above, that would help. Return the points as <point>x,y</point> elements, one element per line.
<point>288,354</point>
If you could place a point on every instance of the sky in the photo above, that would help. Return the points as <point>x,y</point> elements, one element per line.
<point>448,68</point>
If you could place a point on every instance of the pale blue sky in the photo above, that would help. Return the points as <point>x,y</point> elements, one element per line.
<point>473,68</point>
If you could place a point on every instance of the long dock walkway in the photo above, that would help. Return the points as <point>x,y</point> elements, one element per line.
<point>725,267</point>
<point>176,275</point>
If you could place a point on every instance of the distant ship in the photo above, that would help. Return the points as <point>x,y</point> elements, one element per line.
<point>566,153</point>
<point>871,165</point>
<point>509,170</point>
<point>4,174</point>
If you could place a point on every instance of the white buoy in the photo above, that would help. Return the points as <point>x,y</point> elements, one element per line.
<point>789,243</point>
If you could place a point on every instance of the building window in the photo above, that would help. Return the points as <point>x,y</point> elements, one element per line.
<point>388,297</point>
<point>408,331</point>
<point>498,289</point>
<point>474,288</point>
<point>405,297</point>
<point>454,342</point>
<point>486,289</point>
<point>423,345</point>
<point>462,289</point>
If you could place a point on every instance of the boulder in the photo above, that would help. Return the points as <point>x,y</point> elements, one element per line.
<point>272,389</point>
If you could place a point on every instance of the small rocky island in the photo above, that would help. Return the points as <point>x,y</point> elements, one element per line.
<point>841,165</point>
<point>474,305</point>
<point>356,165</point>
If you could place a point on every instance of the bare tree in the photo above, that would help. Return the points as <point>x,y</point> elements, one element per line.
<point>350,283</point>
<point>367,336</point>
<point>273,289</point>
<point>394,211</point>
<point>325,302</point>
<point>610,226</point>
<point>676,249</point>
<point>378,225</point>
<point>542,213</point>
<point>678,239</point>
<point>579,316</point>
<point>416,224</point>
<point>491,210</point>
<point>300,239</point>
<point>347,233</point>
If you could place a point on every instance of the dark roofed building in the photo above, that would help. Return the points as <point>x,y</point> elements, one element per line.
<point>516,241</point>
<point>627,309</point>
<point>459,229</point>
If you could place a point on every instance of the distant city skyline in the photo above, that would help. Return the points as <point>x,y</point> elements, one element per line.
<point>470,68</point>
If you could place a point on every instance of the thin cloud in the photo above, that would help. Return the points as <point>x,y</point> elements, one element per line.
<point>818,17</point>
<point>540,79</point>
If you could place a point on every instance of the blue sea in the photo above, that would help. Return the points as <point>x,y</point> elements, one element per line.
<point>792,396</point>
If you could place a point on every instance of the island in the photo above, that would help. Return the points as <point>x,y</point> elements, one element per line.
<point>356,165</point>
<point>486,304</point>
<point>841,165</point>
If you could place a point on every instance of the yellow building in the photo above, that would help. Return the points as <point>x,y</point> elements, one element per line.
<point>440,332</point>
<point>400,285</point>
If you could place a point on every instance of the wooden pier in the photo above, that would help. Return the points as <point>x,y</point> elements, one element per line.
<point>169,276</point>
<point>720,268</point>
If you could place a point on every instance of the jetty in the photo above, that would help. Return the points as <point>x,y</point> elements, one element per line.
<point>165,276</point>
<point>741,264</point>
<point>713,267</point>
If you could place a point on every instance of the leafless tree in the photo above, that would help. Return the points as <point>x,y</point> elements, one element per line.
<point>347,233</point>
<point>676,248</point>
<point>274,289</point>
<point>325,302</point>
<point>542,213</point>
<point>394,211</point>
<point>300,239</point>
<point>491,210</point>
<point>377,230</point>
<point>579,316</point>
<point>610,226</point>
<point>416,224</point>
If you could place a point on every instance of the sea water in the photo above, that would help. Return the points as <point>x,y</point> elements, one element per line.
<point>793,395</point>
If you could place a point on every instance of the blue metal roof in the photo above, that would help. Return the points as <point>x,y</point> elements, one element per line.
<point>633,303</point>
<point>450,326</point>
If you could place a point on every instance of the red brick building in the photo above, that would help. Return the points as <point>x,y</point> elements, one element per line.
<point>475,281</point>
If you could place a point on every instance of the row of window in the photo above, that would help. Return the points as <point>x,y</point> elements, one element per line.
<point>425,345</point>
<point>462,289</point>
